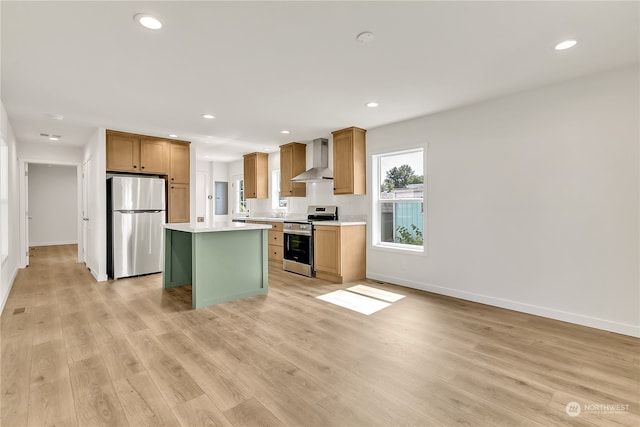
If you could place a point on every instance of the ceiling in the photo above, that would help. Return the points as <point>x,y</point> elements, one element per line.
<point>261,67</point>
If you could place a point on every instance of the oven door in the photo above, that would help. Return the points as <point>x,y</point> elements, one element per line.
<point>298,254</point>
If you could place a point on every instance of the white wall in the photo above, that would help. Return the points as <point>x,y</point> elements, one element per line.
<point>532,202</point>
<point>50,153</point>
<point>53,205</point>
<point>9,268</point>
<point>95,151</point>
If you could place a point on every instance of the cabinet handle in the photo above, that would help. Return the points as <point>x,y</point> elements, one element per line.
<point>172,180</point>
<point>142,167</point>
<point>134,166</point>
<point>172,186</point>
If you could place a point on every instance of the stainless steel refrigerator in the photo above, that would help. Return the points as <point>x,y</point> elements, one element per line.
<point>135,214</point>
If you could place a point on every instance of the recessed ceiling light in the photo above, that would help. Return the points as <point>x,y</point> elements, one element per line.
<point>284,131</point>
<point>371,104</point>
<point>365,37</point>
<point>208,116</point>
<point>54,138</point>
<point>148,21</point>
<point>173,135</point>
<point>566,44</point>
<point>55,116</point>
<point>266,149</point>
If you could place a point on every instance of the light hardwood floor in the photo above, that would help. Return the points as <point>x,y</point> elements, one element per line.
<point>80,353</point>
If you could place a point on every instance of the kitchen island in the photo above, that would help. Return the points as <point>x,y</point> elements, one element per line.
<point>222,261</point>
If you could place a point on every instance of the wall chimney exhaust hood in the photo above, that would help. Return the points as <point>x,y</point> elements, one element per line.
<point>320,170</point>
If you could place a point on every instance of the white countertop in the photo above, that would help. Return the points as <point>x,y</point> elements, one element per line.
<point>351,220</point>
<point>340,223</point>
<point>260,218</point>
<point>203,227</point>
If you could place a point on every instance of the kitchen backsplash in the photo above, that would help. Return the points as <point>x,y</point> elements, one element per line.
<point>320,193</point>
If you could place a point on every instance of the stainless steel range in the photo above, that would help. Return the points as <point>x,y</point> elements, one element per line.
<point>298,239</point>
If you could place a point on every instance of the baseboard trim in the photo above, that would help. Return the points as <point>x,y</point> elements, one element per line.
<point>98,277</point>
<point>5,297</point>
<point>66,242</point>
<point>579,319</point>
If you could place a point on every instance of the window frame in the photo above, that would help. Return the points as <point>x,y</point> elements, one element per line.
<point>377,202</point>
<point>238,196</point>
<point>276,195</point>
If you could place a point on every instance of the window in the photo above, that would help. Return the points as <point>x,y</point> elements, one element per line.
<point>240,202</point>
<point>399,200</point>
<point>4,201</point>
<point>277,201</point>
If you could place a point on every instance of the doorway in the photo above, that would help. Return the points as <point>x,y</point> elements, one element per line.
<point>50,206</point>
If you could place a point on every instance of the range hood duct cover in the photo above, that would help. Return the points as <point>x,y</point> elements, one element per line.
<point>320,170</point>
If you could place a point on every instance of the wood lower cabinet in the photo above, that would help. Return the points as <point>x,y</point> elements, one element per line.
<point>340,252</point>
<point>178,203</point>
<point>256,176</point>
<point>349,161</point>
<point>293,161</point>
<point>276,240</point>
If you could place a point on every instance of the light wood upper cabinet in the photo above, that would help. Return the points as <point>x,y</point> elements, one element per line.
<point>339,252</point>
<point>128,152</point>
<point>153,154</point>
<point>256,176</point>
<point>132,153</point>
<point>123,152</point>
<point>349,161</point>
<point>293,161</point>
<point>179,165</point>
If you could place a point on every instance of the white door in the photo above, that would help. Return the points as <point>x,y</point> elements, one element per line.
<point>202,191</point>
<point>85,204</point>
<point>89,204</point>
<point>26,212</point>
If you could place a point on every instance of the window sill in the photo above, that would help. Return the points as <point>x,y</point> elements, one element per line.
<point>400,249</point>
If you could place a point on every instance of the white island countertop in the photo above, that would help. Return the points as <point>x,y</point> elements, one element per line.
<point>204,227</point>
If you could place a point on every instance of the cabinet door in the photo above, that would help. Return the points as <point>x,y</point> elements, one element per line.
<point>298,165</point>
<point>250,166</point>
<point>326,254</point>
<point>286,170</point>
<point>123,153</point>
<point>343,163</point>
<point>293,161</point>
<point>179,163</point>
<point>178,203</point>
<point>152,156</point>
